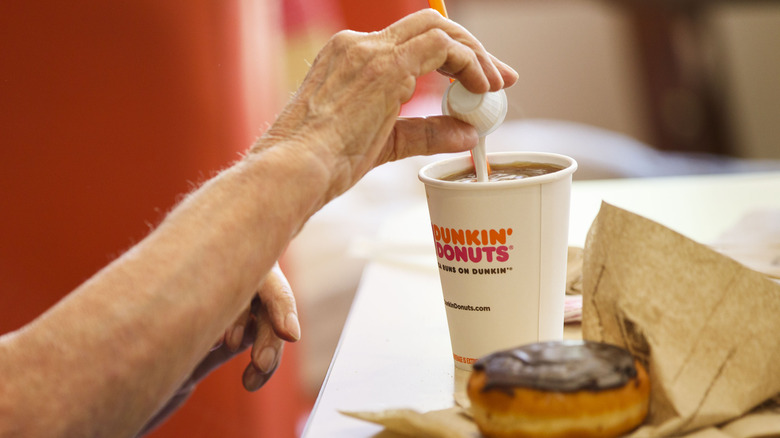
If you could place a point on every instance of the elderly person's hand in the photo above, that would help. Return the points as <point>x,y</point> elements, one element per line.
<point>269,320</point>
<point>345,112</point>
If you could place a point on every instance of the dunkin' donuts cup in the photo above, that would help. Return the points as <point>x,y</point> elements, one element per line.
<point>501,248</point>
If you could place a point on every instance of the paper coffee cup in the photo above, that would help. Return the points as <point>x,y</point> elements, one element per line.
<point>501,249</point>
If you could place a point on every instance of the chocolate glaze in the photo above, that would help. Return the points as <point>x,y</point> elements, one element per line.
<point>563,366</point>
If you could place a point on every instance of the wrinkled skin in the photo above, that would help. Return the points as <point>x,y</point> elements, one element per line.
<point>349,102</point>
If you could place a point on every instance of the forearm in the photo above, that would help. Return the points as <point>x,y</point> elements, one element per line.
<point>107,357</point>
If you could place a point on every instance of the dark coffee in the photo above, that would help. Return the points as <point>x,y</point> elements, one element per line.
<point>506,172</point>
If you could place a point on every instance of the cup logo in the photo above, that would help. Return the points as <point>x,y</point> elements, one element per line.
<point>472,245</point>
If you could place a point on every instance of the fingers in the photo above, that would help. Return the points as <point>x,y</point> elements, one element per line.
<point>276,320</point>
<point>427,39</point>
<point>254,378</point>
<point>213,360</point>
<point>270,319</point>
<point>344,113</point>
<point>266,350</point>
<point>277,296</point>
<point>434,50</point>
<point>508,74</point>
<point>234,334</point>
<point>428,136</point>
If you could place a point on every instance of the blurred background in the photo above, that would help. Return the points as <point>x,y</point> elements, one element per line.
<point>110,111</point>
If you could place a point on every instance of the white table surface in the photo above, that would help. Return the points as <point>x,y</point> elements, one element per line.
<point>394,350</point>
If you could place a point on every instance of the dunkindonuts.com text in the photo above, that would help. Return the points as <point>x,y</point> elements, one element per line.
<point>467,307</point>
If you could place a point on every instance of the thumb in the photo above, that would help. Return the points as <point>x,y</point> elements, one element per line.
<point>428,136</point>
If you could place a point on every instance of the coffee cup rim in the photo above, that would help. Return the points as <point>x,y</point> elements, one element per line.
<point>431,173</point>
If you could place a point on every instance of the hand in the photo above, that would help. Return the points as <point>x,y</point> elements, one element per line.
<point>269,320</point>
<point>345,112</point>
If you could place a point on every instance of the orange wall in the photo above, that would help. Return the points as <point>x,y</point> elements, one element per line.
<point>108,112</point>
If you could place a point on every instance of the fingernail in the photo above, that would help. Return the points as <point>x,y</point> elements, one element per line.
<point>253,379</point>
<point>509,68</point>
<point>504,64</point>
<point>236,336</point>
<point>267,360</point>
<point>293,326</point>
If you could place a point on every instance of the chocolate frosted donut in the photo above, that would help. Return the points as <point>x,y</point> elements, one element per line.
<point>565,366</point>
<point>559,389</point>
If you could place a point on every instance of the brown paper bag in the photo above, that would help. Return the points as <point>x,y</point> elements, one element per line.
<point>707,327</point>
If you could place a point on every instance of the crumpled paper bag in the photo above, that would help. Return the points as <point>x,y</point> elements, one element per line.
<point>707,326</point>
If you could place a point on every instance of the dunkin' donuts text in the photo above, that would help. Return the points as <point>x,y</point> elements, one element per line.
<point>463,245</point>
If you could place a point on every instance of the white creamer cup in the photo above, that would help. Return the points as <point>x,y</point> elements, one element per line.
<point>502,250</point>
